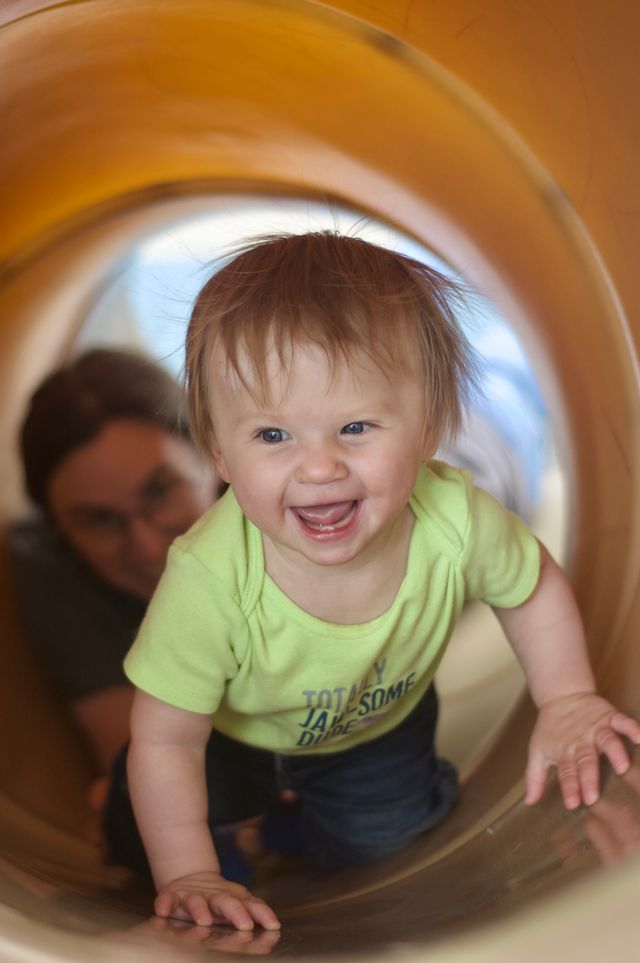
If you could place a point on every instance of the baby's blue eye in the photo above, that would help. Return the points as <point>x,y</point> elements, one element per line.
<point>273,435</point>
<point>354,428</point>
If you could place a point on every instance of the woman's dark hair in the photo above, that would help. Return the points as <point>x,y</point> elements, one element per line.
<point>73,404</point>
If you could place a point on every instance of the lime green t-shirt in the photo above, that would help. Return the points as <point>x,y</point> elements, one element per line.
<point>221,638</point>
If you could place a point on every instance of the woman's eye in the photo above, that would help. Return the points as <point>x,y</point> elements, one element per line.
<point>273,435</point>
<point>104,521</point>
<point>159,491</point>
<point>354,428</point>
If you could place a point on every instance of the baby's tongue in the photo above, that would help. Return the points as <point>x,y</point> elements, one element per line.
<point>325,514</point>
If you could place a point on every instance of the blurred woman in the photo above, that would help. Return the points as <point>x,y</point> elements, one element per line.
<point>114,478</point>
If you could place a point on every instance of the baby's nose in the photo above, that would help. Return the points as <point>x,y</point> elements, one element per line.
<point>321,463</point>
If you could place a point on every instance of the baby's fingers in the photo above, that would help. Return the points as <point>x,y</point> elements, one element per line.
<point>264,915</point>
<point>570,779</point>
<point>190,906</point>
<point>536,776</point>
<point>588,769</point>
<point>626,726</point>
<point>611,745</point>
<point>243,914</point>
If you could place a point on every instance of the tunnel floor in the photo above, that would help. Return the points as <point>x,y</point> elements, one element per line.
<point>446,885</point>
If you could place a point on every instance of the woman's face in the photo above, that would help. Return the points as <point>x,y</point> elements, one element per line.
<point>122,499</point>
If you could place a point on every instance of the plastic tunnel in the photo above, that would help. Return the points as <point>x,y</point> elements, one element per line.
<point>504,135</point>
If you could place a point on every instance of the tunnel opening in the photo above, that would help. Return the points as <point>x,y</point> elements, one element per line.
<point>490,692</point>
<point>144,302</point>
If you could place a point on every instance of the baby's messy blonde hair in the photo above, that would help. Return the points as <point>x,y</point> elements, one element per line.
<point>344,294</point>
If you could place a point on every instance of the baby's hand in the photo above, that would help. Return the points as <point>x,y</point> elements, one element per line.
<point>570,733</point>
<point>208,898</point>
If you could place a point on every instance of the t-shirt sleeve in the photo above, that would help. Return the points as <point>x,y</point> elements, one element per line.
<point>185,652</point>
<point>501,556</point>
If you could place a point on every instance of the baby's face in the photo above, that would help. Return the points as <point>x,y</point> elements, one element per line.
<point>326,464</point>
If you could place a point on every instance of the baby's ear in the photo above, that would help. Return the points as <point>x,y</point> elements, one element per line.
<point>219,464</point>
<point>429,447</point>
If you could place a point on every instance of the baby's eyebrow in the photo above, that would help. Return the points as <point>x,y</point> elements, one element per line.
<point>260,415</point>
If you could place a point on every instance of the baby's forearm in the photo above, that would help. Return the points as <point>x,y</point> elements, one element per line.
<point>547,636</point>
<point>168,789</point>
<point>170,803</point>
<point>574,724</point>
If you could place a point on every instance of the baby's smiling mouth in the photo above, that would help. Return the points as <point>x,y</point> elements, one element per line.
<point>327,518</point>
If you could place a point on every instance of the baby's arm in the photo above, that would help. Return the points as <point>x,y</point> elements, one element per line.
<point>167,783</point>
<point>574,724</point>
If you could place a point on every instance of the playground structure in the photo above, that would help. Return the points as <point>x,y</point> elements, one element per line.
<point>504,136</point>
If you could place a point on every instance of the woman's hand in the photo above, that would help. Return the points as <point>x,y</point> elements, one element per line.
<point>208,899</point>
<point>570,733</point>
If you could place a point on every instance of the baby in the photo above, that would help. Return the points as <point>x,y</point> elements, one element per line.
<point>303,617</point>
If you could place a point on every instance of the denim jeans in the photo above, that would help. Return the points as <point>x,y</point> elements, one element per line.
<point>352,807</point>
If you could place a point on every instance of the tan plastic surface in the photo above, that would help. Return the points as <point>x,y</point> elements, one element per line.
<point>506,136</point>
